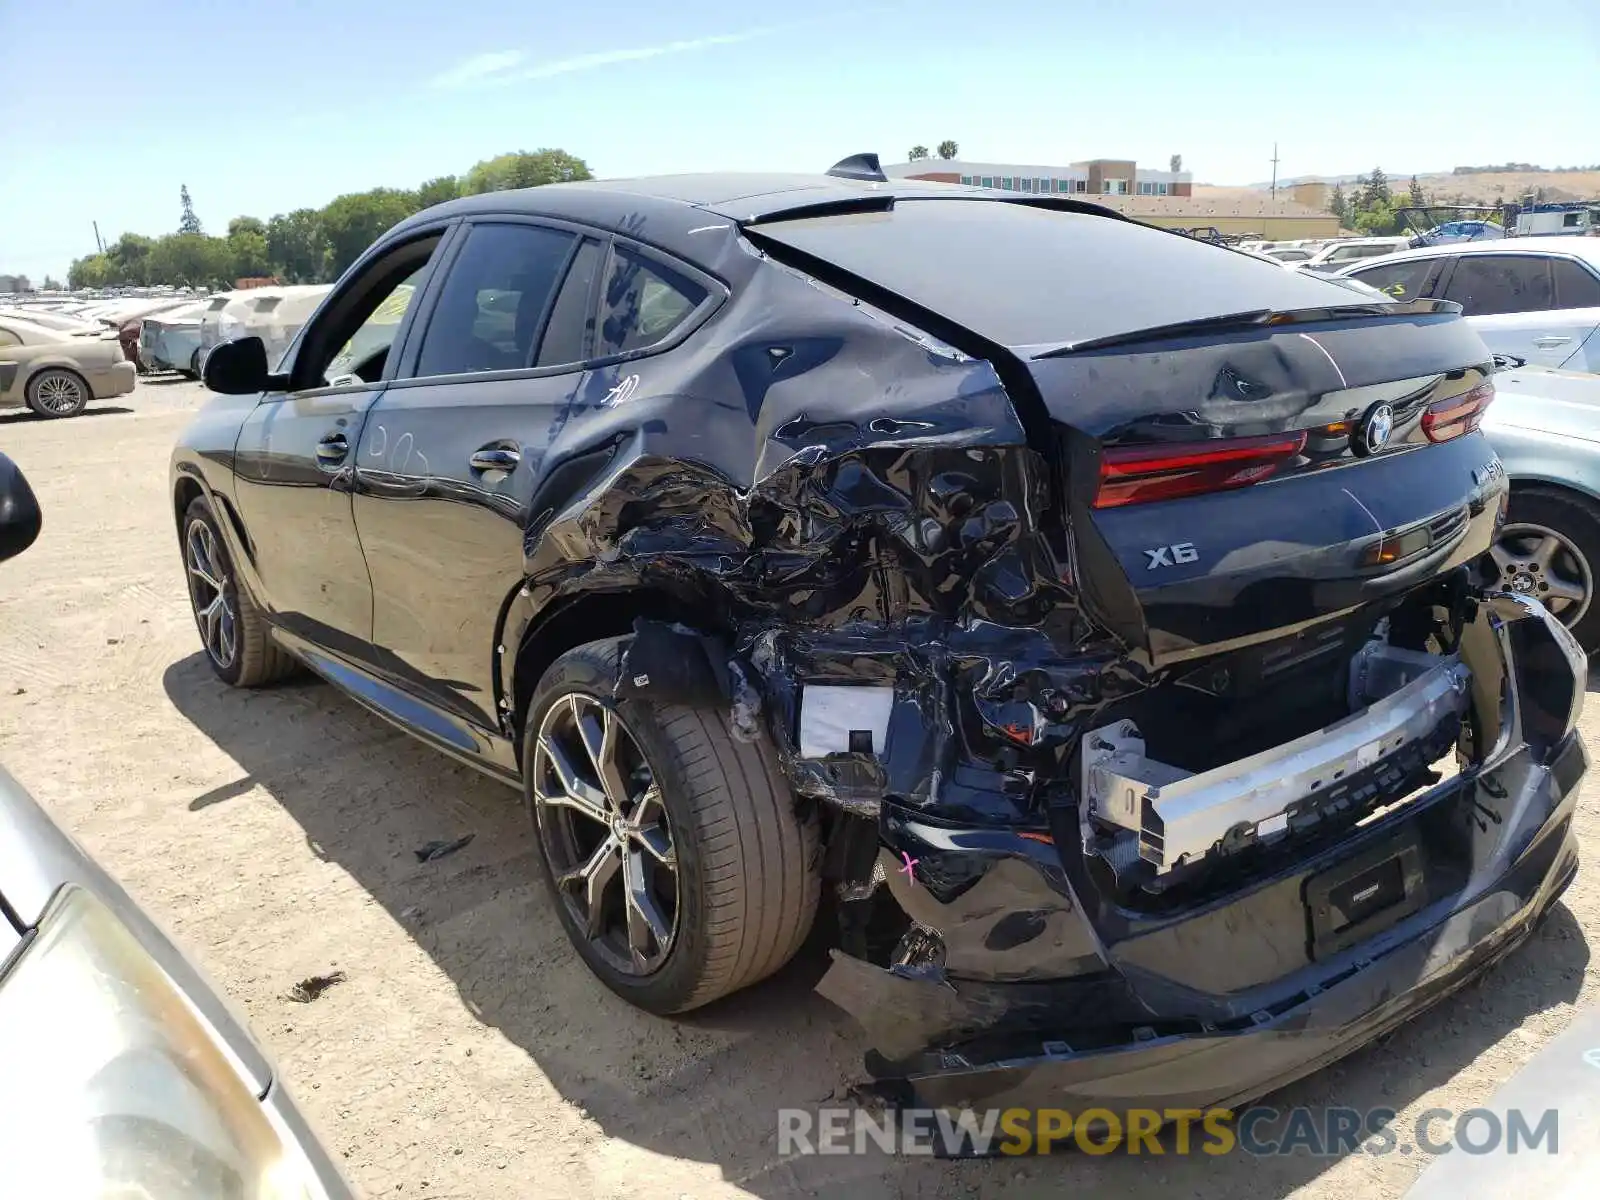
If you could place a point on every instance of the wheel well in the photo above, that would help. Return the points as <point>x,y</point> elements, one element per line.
<point>580,619</point>
<point>185,494</point>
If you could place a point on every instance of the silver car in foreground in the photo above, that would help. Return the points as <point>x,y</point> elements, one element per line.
<point>1545,426</point>
<point>126,1074</point>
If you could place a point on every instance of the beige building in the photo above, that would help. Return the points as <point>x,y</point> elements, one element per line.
<point>1278,220</point>
<point>1164,198</point>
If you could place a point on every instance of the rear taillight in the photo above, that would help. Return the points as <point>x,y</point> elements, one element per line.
<point>1446,419</point>
<point>1166,471</point>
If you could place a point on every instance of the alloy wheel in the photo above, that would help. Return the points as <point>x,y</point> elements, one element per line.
<point>59,394</point>
<point>1547,566</point>
<point>605,833</point>
<point>208,591</point>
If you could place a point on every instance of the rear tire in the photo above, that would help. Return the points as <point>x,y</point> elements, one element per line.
<point>232,630</point>
<point>1571,565</point>
<point>744,855</point>
<point>57,392</point>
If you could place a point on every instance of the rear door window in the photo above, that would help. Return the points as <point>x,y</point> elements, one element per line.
<point>1402,280</point>
<point>495,300</point>
<point>1576,286</point>
<point>643,303</point>
<point>1488,285</point>
<point>570,331</point>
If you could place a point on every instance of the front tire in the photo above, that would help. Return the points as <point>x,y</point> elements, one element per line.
<point>56,392</point>
<point>232,629</point>
<point>1549,550</point>
<point>679,862</point>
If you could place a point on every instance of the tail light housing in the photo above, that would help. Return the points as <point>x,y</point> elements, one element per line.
<point>1170,470</point>
<point>1446,419</point>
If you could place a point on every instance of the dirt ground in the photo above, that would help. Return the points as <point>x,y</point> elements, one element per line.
<point>468,1053</point>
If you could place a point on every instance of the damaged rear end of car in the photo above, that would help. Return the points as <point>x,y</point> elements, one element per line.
<point>1115,601</point>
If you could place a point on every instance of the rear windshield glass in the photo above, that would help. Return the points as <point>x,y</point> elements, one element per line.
<point>1025,276</point>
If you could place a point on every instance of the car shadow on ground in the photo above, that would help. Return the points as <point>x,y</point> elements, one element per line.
<point>94,410</point>
<point>707,1087</point>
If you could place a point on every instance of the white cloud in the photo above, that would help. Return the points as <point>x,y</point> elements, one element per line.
<point>607,58</point>
<point>480,68</point>
<point>485,70</point>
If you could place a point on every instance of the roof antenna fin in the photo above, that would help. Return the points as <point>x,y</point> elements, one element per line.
<point>864,167</point>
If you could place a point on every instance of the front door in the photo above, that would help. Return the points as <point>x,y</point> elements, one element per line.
<point>1510,300</point>
<point>451,451</point>
<point>295,462</point>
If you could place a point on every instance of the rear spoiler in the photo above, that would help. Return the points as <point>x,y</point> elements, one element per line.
<point>1257,319</point>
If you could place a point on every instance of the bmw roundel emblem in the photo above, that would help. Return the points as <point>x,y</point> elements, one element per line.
<point>1376,429</point>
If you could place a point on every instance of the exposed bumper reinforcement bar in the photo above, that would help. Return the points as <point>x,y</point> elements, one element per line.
<point>1178,817</point>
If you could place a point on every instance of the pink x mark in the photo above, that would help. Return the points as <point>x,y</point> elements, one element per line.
<point>910,869</point>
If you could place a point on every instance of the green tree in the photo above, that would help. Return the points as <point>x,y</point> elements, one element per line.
<point>1337,204</point>
<point>247,243</point>
<point>1416,198</point>
<point>1175,163</point>
<point>130,258</point>
<point>188,222</point>
<point>297,246</point>
<point>437,191</point>
<point>49,284</point>
<point>1375,190</point>
<point>191,260</point>
<point>948,150</point>
<point>1375,221</point>
<point>353,222</point>
<point>523,169</point>
<point>917,153</point>
<point>93,271</point>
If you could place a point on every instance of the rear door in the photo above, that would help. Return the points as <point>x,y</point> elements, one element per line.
<point>1406,279</point>
<point>1510,300</point>
<point>1578,293</point>
<point>448,458</point>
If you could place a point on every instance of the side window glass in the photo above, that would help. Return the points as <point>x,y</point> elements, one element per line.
<point>364,354</point>
<point>1401,280</point>
<point>1491,284</point>
<point>494,300</point>
<point>567,335</point>
<point>1575,287</point>
<point>644,301</point>
<point>354,331</point>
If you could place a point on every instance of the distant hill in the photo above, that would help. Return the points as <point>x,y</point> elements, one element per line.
<point>1470,187</point>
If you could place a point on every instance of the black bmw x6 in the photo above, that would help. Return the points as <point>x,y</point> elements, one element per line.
<point>1089,621</point>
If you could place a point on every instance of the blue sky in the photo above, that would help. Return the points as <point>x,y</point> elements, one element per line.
<point>110,106</point>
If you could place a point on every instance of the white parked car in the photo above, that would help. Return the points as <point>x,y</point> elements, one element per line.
<point>1537,299</point>
<point>1348,250</point>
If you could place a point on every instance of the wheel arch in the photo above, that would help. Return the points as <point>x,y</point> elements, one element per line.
<point>571,621</point>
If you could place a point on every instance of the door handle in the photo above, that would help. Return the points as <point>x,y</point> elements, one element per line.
<point>1551,341</point>
<point>332,448</point>
<point>495,458</point>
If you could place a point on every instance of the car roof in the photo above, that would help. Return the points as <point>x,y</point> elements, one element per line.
<point>1579,247</point>
<point>665,208</point>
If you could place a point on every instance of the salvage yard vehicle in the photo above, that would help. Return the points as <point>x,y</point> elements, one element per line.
<point>127,1073</point>
<point>1127,662</point>
<point>56,373</point>
<point>170,341</point>
<point>1545,426</point>
<point>1537,299</point>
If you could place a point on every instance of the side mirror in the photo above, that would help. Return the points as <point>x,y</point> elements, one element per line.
<point>19,511</point>
<point>237,368</point>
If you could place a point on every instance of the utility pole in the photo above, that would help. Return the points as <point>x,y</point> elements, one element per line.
<point>99,245</point>
<point>1274,172</point>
